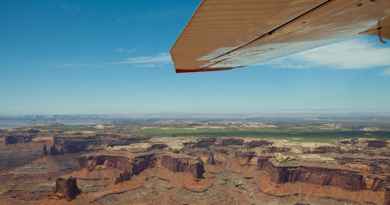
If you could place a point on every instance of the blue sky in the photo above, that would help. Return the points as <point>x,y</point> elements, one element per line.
<point>100,57</point>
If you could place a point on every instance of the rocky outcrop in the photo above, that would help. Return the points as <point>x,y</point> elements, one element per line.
<point>230,141</point>
<point>376,143</point>
<point>258,143</point>
<point>136,166</point>
<point>201,143</point>
<point>325,149</point>
<point>345,179</point>
<point>262,161</point>
<point>79,143</point>
<point>387,190</point>
<point>157,147</point>
<point>211,159</point>
<point>108,161</point>
<point>183,163</point>
<point>352,141</point>
<point>17,138</point>
<point>33,131</point>
<point>128,167</point>
<point>387,196</point>
<point>375,183</point>
<point>274,149</point>
<point>142,162</point>
<point>75,144</point>
<point>375,167</point>
<point>205,142</point>
<point>247,156</point>
<point>54,150</point>
<point>44,150</point>
<point>119,140</point>
<point>67,188</point>
<point>223,150</point>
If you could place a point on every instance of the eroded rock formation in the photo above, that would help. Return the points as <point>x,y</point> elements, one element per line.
<point>387,196</point>
<point>258,143</point>
<point>108,161</point>
<point>205,142</point>
<point>375,183</point>
<point>67,188</point>
<point>157,147</point>
<point>345,179</point>
<point>75,144</point>
<point>55,150</point>
<point>128,167</point>
<point>274,149</point>
<point>376,143</point>
<point>211,159</point>
<point>325,149</point>
<point>142,162</point>
<point>247,156</point>
<point>201,143</point>
<point>183,163</point>
<point>230,141</point>
<point>44,150</point>
<point>262,161</point>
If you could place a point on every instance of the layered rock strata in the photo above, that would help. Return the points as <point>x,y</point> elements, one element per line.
<point>128,167</point>
<point>183,163</point>
<point>345,179</point>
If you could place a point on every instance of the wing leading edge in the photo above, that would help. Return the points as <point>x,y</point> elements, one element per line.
<point>226,34</point>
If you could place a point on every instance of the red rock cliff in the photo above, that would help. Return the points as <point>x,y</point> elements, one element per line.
<point>183,163</point>
<point>345,179</point>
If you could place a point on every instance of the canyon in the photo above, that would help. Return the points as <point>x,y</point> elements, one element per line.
<point>81,168</point>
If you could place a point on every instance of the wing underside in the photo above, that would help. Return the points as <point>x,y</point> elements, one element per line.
<point>226,34</point>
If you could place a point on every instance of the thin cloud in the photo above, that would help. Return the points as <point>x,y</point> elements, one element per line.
<point>81,65</point>
<point>386,72</point>
<point>349,55</point>
<point>151,61</point>
<point>148,61</point>
<point>124,50</point>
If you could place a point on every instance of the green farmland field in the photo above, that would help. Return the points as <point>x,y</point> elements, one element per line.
<point>283,133</point>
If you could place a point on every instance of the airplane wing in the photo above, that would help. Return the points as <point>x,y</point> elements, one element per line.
<point>227,34</point>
